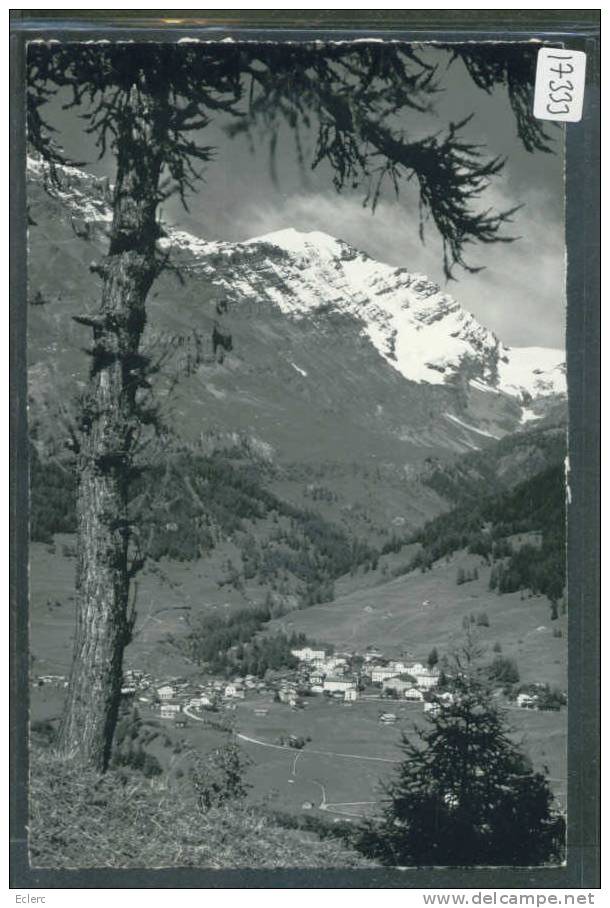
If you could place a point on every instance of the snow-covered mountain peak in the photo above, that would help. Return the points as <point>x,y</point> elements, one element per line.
<point>312,244</point>
<point>421,331</point>
<point>418,328</point>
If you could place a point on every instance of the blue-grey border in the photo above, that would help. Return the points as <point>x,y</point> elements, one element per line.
<point>579,29</point>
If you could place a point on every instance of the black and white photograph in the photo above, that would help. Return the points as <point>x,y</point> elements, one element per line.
<point>297,428</point>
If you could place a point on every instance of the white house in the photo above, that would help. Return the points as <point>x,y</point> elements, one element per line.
<point>371,655</point>
<point>433,708</point>
<point>428,680</point>
<point>166,692</point>
<point>413,694</point>
<point>333,684</point>
<point>398,684</point>
<point>352,693</point>
<point>234,692</point>
<point>328,665</point>
<point>169,709</point>
<point>526,701</point>
<point>307,654</point>
<point>380,673</point>
<point>201,700</point>
<point>425,677</point>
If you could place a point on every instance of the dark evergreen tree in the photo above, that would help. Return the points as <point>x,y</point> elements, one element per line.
<point>147,104</point>
<point>504,670</point>
<point>465,795</point>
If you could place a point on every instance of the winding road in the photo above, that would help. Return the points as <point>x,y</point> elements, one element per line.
<point>308,750</point>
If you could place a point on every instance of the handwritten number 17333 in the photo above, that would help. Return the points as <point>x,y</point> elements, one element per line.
<point>560,83</point>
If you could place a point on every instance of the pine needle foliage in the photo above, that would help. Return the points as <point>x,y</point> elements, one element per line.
<point>465,795</point>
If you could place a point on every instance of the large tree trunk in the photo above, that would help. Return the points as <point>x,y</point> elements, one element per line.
<point>110,427</point>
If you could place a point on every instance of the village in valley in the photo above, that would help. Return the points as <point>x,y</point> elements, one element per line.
<point>346,677</point>
<point>318,719</point>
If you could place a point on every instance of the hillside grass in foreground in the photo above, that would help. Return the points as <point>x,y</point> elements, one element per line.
<point>81,820</point>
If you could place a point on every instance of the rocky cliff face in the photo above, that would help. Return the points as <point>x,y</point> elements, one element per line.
<point>295,339</point>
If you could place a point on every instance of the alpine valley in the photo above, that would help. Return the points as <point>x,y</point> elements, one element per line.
<point>344,446</point>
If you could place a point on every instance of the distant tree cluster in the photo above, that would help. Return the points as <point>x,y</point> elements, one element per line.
<point>320,493</point>
<point>231,646</point>
<point>392,545</point>
<point>540,569</point>
<point>503,671</point>
<point>464,576</point>
<point>479,620</point>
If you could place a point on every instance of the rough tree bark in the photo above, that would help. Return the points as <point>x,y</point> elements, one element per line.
<point>110,427</point>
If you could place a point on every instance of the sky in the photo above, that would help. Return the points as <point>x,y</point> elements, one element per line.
<point>520,292</point>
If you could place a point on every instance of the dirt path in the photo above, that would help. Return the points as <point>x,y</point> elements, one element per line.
<point>308,750</point>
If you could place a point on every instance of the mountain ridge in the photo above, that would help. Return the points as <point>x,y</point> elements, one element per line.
<point>287,337</point>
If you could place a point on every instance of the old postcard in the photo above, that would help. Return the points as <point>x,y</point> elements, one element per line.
<point>297,429</point>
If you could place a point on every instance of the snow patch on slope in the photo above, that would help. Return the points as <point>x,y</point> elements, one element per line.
<point>538,371</point>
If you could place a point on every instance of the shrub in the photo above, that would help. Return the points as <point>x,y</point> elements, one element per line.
<point>551,698</point>
<point>43,730</point>
<point>219,777</point>
<point>432,657</point>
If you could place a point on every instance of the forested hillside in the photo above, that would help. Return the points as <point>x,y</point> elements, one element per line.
<point>484,527</point>
<point>511,460</point>
<point>190,502</point>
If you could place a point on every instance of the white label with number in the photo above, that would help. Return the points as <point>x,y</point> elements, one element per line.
<point>560,84</point>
